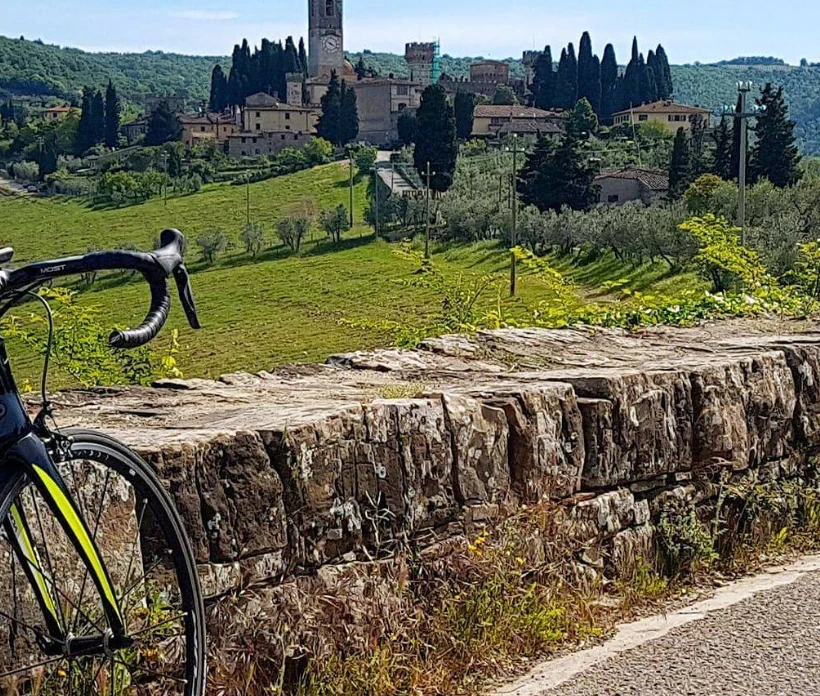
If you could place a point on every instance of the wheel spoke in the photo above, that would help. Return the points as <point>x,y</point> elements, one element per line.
<point>150,672</point>
<point>47,553</point>
<point>159,625</point>
<point>36,631</point>
<point>134,546</point>
<point>20,670</point>
<point>93,539</point>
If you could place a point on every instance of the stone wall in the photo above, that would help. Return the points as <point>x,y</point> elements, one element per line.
<point>287,474</point>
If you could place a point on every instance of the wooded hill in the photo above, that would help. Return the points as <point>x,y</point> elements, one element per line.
<point>36,69</point>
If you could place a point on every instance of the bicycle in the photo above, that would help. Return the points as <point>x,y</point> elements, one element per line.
<point>99,592</point>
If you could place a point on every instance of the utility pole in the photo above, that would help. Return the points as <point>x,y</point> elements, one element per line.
<point>376,199</point>
<point>514,233</point>
<point>350,185</point>
<point>427,215</point>
<point>743,88</point>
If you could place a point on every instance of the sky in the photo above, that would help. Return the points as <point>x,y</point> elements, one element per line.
<point>695,30</point>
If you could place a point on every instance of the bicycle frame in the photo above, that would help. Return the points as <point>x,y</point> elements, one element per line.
<point>24,457</point>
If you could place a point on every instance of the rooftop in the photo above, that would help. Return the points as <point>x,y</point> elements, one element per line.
<point>664,107</point>
<point>653,179</point>
<point>58,109</point>
<point>534,127</point>
<point>207,118</point>
<point>505,111</point>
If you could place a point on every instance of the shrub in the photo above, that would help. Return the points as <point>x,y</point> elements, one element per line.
<point>253,237</point>
<point>81,346</point>
<point>335,222</point>
<point>365,158</point>
<point>292,231</point>
<point>317,151</point>
<point>212,242</point>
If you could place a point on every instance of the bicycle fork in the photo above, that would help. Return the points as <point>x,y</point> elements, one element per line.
<point>32,455</point>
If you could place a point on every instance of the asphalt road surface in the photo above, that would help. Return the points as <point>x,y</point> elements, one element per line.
<point>765,645</point>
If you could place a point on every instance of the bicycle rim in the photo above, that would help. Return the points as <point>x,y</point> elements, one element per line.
<point>143,545</point>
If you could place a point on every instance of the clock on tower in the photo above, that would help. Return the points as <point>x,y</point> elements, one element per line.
<point>326,38</point>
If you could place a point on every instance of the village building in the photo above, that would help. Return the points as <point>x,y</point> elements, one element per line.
<point>380,103</point>
<point>253,144</point>
<point>269,126</point>
<point>490,120</point>
<point>56,113</point>
<point>672,115</point>
<point>134,130</point>
<point>198,129</point>
<point>630,183</point>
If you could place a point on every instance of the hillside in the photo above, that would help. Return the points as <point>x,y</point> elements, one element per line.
<point>37,69</point>
<point>34,68</point>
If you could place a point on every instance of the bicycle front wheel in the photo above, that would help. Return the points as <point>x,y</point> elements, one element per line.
<point>142,543</point>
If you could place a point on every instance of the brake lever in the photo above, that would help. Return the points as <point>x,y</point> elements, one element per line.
<point>186,295</point>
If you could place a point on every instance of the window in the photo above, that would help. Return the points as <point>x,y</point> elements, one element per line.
<point>254,141</point>
<point>283,136</point>
<point>329,8</point>
<point>202,128</point>
<point>496,121</point>
<point>612,198</point>
<point>243,142</point>
<point>671,118</point>
<point>402,90</point>
<point>402,106</point>
<point>287,126</point>
<point>643,117</point>
<point>258,114</point>
<point>257,150</point>
<point>287,115</point>
<point>258,126</point>
<point>296,136</point>
<point>242,152</point>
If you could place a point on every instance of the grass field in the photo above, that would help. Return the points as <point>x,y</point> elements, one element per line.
<point>277,308</point>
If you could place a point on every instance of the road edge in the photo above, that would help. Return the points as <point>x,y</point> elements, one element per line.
<point>549,674</point>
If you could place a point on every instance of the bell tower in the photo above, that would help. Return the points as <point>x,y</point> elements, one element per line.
<point>326,38</point>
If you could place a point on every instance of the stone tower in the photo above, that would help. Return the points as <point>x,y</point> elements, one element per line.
<point>326,38</point>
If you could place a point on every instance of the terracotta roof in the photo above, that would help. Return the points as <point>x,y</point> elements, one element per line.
<point>261,99</point>
<point>530,127</point>
<point>207,119</point>
<point>59,109</point>
<point>664,107</point>
<point>496,111</point>
<point>653,179</point>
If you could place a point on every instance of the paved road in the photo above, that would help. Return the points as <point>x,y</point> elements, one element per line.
<point>767,645</point>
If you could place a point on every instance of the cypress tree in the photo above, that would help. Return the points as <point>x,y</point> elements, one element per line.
<point>589,73</point>
<point>609,82</point>
<point>464,108</point>
<point>722,156</point>
<point>360,68</point>
<point>98,111</point>
<point>163,125</point>
<point>648,86</point>
<point>348,115</point>
<point>436,140</point>
<point>303,59</point>
<point>543,84</point>
<point>112,116</point>
<point>85,129</point>
<point>218,100</point>
<point>775,156</point>
<point>664,74</point>
<point>679,171</point>
<point>566,88</point>
<point>556,175</point>
<point>329,124</point>
<point>291,62</point>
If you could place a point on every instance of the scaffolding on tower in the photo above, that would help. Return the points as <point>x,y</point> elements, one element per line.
<point>435,70</point>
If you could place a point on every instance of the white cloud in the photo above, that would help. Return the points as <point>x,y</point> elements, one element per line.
<point>205,15</point>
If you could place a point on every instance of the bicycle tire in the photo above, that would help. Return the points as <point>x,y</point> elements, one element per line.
<point>167,597</point>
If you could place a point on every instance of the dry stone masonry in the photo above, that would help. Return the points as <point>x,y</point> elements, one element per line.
<point>291,473</point>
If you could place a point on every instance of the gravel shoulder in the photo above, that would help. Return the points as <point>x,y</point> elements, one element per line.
<point>760,635</point>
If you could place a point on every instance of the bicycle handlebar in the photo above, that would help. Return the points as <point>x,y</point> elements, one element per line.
<point>156,267</point>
